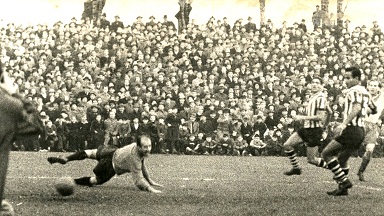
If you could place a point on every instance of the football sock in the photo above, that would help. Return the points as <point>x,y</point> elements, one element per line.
<point>321,163</point>
<point>363,165</point>
<point>81,155</point>
<point>293,159</point>
<point>334,166</point>
<point>84,181</point>
<point>346,170</point>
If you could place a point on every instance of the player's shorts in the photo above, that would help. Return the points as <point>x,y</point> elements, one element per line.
<point>372,132</point>
<point>105,152</point>
<point>352,137</point>
<point>104,170</point>
<point>312,136</point>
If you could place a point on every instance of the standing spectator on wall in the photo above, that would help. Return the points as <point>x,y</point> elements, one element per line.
<point>316,18</point>
<point>117,24</point>
<point>303,26</point>
<point>104,23</point>
<point>168,23</point>
<point>183,14</point>
<point>250,26</point>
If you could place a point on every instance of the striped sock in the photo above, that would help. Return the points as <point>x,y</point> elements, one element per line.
<point>293,159</point>
<point>346,170</point>
<point>334,166</point>
<point>321,163</point>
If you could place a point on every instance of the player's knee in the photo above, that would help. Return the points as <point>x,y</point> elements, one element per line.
<point>312,160</point>
<point>288,146</point>
<point>91,153</point>
<point>99,180</point>
<point>368,154</point>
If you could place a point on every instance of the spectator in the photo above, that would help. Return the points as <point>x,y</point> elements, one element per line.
<point>256,147</point>
<point>259,128</point>
<point>225,145</point>
<point>97,132</point>
<point>116,24</point>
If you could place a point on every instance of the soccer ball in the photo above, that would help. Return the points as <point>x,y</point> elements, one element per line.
<point>65,186</point>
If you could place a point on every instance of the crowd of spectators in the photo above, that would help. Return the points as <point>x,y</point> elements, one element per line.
<point>213,88</point>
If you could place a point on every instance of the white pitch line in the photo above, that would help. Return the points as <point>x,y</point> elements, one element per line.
<point>36,177</point>
<point>360,186</point>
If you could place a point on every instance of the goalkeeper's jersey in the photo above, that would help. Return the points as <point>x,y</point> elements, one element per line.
<point>127,160</point>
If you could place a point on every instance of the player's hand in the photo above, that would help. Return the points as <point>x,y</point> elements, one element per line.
<point>153,190</point>
<point>157,184</point>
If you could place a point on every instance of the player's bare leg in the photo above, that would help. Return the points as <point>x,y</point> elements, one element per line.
<point>289,146</point>
<point>365,160</point>
<point>313,157</point>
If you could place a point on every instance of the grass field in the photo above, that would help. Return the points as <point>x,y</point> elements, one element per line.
<point>194,185</point>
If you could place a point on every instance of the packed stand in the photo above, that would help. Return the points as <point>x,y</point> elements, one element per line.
<point>213,89</point>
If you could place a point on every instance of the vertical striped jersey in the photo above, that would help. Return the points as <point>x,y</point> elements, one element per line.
<point>357,94</point>
<point>316,103</point>
<point>379,103</point>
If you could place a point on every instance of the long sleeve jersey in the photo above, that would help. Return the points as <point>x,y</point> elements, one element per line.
<point>127,160</point>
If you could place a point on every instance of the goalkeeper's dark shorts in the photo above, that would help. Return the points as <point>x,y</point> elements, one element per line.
<point>104,170</point>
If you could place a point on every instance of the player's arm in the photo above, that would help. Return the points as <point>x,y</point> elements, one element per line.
<point>141,182</point>
<point>146,176</point>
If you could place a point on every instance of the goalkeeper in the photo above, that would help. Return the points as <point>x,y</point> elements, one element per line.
<point>112,161</point>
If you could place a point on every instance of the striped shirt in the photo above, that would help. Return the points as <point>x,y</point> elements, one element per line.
<point>357,94</point>
<point>316,103</point>
<point>379,103</point>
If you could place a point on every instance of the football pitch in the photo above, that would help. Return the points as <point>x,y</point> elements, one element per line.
<point>194,185</point>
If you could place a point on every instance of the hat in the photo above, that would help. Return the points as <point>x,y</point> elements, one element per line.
<point>139,17</point>
<point>117,16</point>
<point>165,16</point>
<point>152,17</point>
<point>249,18</point>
